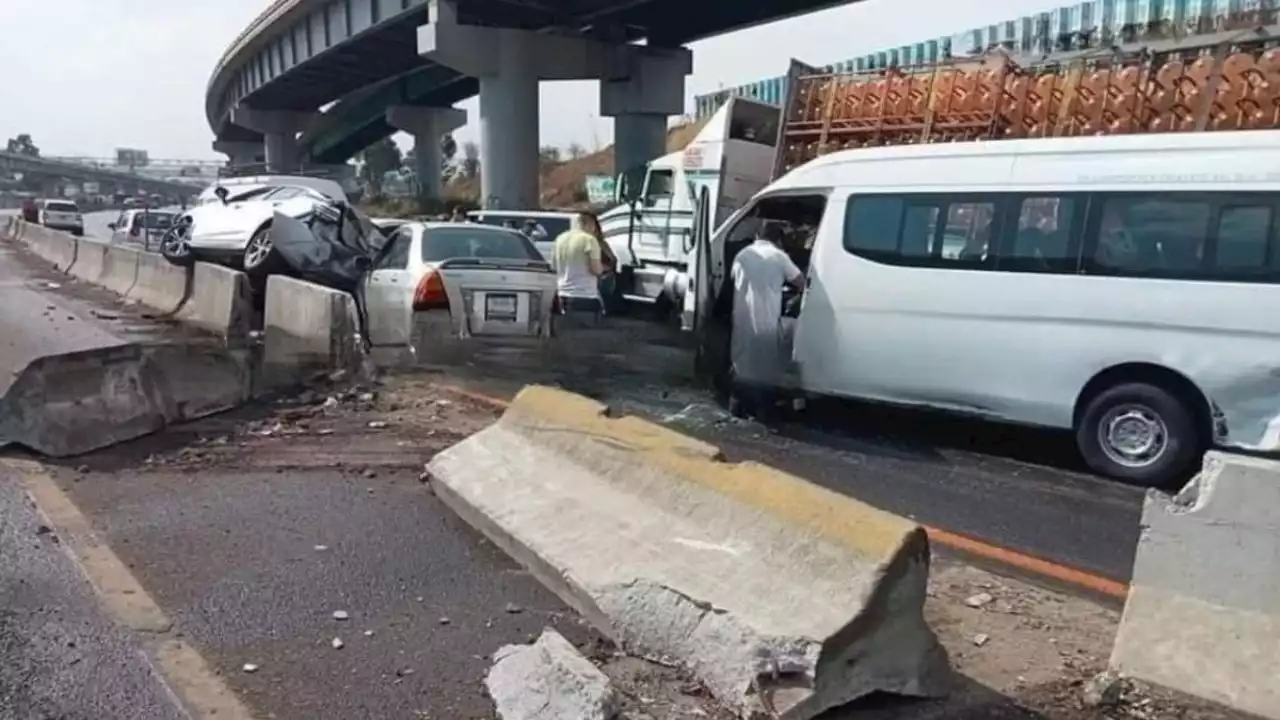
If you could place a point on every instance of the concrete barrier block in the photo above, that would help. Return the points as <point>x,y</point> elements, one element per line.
<point>549,680</point>
<point>62,405</point>
<point>119,269</point>
<point>54,246</point>
<point>783,598</point>
<point>307,329</point>
<point>221,301</point>
<point>159,283</point>
<point>90,261</point>
<point>1203,612</point>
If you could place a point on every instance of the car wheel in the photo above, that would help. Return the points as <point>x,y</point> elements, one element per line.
<point>175,246</point>
<point>1139,433</point>
<point>260,256</point>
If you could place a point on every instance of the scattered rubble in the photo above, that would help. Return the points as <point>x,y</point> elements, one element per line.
<point>980,600</point>
<point>549,680</point>
<point>1103,690</point>
<point>337,643</point>
<point>340,615</point>
<point>250,668</point>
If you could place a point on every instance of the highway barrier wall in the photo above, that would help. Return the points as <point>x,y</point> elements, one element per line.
<point>213,298</point>
<point>72,403</point>
<point>55,246</point>
<point>1203,612</point>
<point>307,329</point>
<point>783,598</point>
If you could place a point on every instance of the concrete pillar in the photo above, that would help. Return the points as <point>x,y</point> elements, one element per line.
<point>239,153</point>
<point>280,130</point>
<point>509,64</point>
<point>427,125</point>
<point>509,132</point>
<point>640,98</point>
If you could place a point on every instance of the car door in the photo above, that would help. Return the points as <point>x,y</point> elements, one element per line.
<point>120,228</point>
<point>388,291</point>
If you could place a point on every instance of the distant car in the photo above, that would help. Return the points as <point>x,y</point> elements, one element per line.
<point>437,284</point>
<point>547,224</point>
<point>145,227</point>
<point>235,229</point>
<point>30,210</point>
<point>61,215</point>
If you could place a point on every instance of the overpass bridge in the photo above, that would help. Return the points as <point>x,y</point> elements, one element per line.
<point>61,168</point>
<point>387,65</point>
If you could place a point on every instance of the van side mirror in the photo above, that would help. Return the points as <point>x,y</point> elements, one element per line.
<point>620,188</point>
<point>112,226</point>
<point>221,194</point>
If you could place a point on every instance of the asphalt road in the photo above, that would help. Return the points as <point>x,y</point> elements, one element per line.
<point>59,656</point>
<point>250,538</point>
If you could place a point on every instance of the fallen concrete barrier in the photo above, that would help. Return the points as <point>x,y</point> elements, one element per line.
<point>54,246</point>
<point>69,404</point>
<point>783,598</point>
<point>159,283</point>
<point>307,329</point>
<point>220,301</point>
<point>1203,612</point>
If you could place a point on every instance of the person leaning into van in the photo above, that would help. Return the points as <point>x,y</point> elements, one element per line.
<point>760,270</point>
<point>579,260</point>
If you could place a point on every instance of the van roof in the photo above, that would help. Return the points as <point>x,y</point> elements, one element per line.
<point>1131,161</point>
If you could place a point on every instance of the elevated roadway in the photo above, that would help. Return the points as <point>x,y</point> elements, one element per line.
<point>14,162</point>
<point>370,57</point>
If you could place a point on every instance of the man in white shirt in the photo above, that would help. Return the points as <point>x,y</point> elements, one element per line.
<point>760,271</point>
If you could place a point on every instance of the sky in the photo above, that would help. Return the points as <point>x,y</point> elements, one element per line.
<point>84,77</point>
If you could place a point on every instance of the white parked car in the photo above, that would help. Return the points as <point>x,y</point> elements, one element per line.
<point>235,228</point>
<point>434,285</point>
<point>542,226</point>
<point>141,227</point>
<point>61,215</point>
<point>243,184</point>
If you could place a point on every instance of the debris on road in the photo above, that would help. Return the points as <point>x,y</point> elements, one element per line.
<point>340,615</point>
<point>549,680</point>
<point>250,668</point>
<point>1103,690</point>
<point>980,600</point>
<point>337,643</point>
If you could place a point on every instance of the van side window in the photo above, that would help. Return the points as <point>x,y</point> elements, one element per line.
<point>1044,235</point>
<point>659,184</point>
<point>931,230</point>
<point>1151,235</point>
<point>1243,238</point>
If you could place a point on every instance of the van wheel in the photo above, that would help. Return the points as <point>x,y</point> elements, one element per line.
<point>1139,433</point>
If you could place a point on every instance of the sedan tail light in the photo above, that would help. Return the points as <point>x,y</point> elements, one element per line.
<point>430,293</point>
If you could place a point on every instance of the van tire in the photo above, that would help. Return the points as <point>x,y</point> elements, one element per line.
<point>1151,411</point>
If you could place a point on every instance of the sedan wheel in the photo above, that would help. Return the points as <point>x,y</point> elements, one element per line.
<point>260,254</point>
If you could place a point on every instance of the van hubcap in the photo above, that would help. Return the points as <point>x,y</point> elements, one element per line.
<point>1133,435</point>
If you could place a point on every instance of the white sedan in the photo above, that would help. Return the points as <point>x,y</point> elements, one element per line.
<point>435,286</point>
<point>236,229</point>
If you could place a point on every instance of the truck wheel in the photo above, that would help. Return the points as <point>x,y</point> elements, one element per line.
<point>1139,433</point>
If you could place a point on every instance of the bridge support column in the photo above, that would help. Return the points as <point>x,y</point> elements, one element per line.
<point>640,101</point>
<point>427,125</point>
<point>280,130</point>
<point>239,153</point>
<point>510,63</point>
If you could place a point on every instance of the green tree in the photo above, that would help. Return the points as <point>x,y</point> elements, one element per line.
<point>377,160</point>
<point>549,154</point>
<point>22,145</point>
<point>575,151</point>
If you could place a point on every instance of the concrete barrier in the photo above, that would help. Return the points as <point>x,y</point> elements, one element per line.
<point>221,301</point>
<point>90,261</point>
<point>69,404</point>
<point>119,269</point>
<point>54,246</point>
<point>159,283</point>
<point>1203,612</point>
<point>307,329</point>
<point>783,598</point>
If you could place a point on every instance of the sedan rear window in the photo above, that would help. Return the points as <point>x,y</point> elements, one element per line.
<point>64,207</point>
<point>440,244</point>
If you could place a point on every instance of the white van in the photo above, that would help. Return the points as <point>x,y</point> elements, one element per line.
<point>1122,287</point>
<point>242,185</point>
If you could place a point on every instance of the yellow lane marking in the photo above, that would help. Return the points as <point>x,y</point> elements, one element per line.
<point>204,694</point>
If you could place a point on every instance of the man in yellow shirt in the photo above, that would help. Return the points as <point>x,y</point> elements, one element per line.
<point>579,262</point>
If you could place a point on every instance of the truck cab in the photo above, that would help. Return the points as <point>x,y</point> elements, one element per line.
<point>651,227</point>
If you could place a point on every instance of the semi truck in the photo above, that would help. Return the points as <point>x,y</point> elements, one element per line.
<point>746,144</point>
